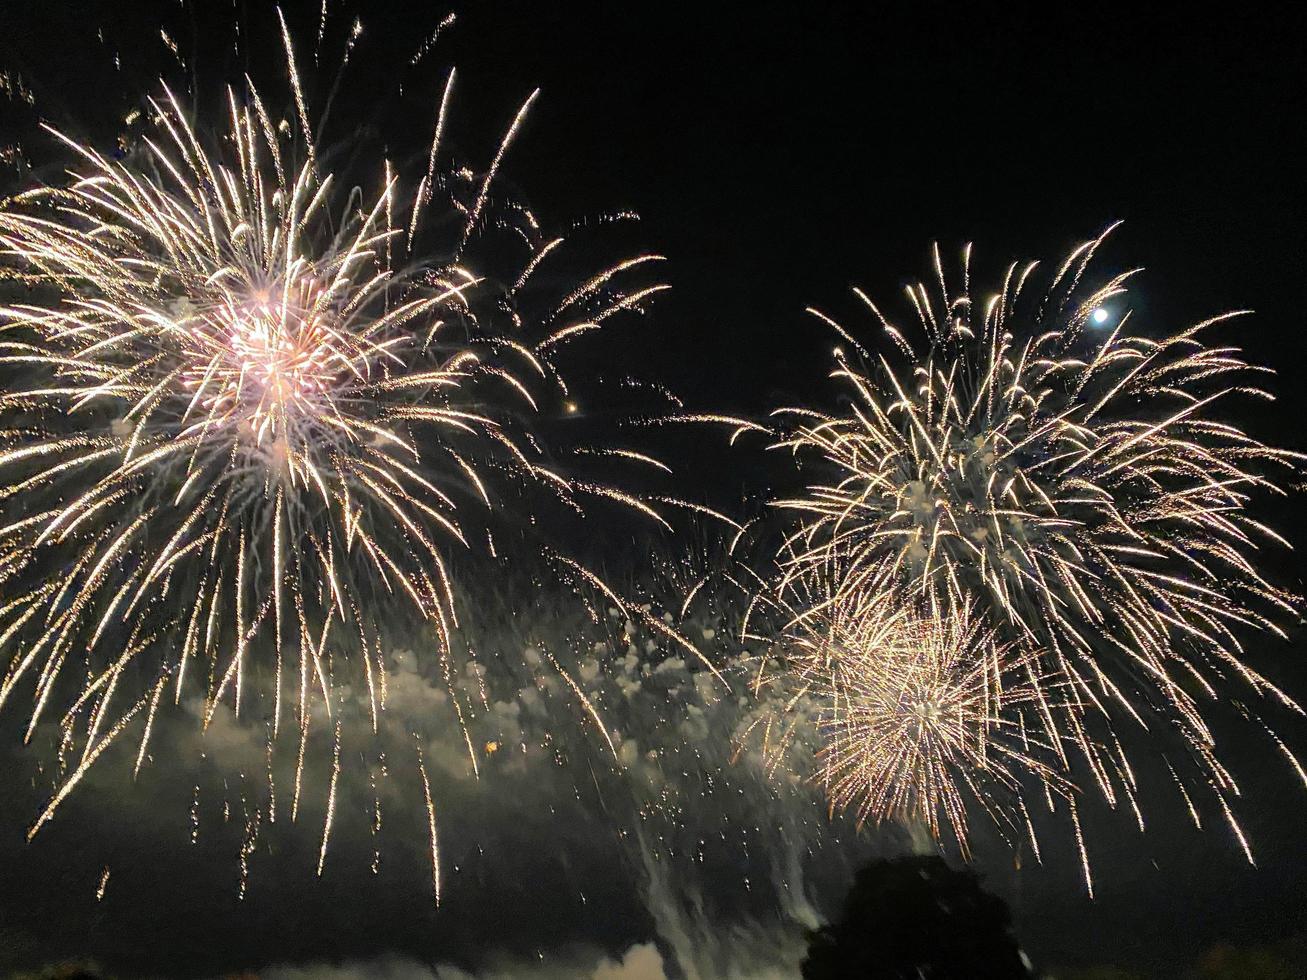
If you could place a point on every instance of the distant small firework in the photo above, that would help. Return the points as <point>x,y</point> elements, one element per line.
<point>920,714</point>
<point>1068,487</point>
<point>247,418</point>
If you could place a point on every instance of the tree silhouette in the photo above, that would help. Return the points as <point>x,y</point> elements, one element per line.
<point>918,919</point>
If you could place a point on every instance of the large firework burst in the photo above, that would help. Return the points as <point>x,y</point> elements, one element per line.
<point>249,413</point>
<point>1069,481</point>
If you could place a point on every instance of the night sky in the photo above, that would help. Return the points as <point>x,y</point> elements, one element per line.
<point>778,154</point>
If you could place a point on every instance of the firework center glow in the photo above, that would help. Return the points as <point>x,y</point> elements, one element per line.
<point>266,365</point>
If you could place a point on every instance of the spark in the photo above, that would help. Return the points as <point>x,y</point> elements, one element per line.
<point>331,803</point>
<point>431,830</point>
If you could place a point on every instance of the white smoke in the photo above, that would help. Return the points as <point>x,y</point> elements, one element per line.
<point>640,962</point>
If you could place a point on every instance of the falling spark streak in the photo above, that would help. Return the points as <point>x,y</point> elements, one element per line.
<point>1084,853</point>
<point>585,701</point>
<point>431,828</point>
<point>475,215</point>
<point>88,760</point>
<point>331,802</point>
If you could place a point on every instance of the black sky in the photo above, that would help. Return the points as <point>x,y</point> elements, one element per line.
<point>780,153</point>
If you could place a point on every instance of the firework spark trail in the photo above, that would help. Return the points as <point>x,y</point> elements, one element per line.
<point>431,829</point>
<point>1067,482</point>
<point>245,420</point>
<point>331,802</point>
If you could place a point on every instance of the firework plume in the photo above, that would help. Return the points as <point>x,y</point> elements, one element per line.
<point>251,414</point>
<point>1052,485</point>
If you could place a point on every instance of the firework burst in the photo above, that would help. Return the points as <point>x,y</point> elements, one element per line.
<point>918,714</point>
<point>1067,481</point>
<point>248,418</point>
